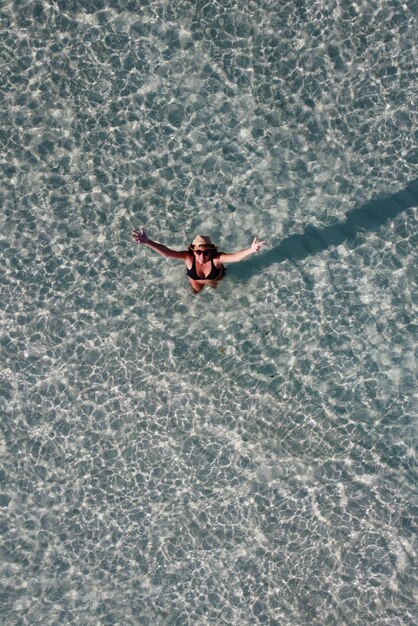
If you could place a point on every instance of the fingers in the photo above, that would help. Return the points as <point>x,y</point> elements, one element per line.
<point>139,235</point>
<point>257,244</point>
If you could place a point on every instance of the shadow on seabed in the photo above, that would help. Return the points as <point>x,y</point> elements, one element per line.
<point>367,218</point>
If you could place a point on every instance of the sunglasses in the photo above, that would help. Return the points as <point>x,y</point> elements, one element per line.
<point>204,252</point>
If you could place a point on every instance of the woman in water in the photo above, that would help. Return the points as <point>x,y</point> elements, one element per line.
<point>204,262</point>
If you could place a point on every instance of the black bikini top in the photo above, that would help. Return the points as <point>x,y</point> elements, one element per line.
<point>214,274</point>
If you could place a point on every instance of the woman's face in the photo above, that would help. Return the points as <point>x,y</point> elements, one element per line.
<point>203,254</point>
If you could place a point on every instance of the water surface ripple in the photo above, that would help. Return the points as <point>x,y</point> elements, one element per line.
<point>246,456</point>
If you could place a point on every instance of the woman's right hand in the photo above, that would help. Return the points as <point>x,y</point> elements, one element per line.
<point>140,236</point>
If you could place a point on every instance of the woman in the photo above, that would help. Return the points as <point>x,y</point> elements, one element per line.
<point>204,262</point>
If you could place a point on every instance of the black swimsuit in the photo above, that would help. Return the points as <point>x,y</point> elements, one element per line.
<point>216,273</point>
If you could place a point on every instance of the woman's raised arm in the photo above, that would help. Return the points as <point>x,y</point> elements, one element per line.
<point>234,257</point>
<point>141,237</point>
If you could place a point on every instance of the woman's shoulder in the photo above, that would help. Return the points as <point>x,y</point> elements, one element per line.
<point>188,258</point>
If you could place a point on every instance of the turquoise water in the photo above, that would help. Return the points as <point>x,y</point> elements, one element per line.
<point>247,455</point>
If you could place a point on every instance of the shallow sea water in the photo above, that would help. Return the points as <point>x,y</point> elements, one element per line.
<point>247,455</point>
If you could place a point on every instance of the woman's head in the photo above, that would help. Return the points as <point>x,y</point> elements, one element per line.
<point>203,247</point>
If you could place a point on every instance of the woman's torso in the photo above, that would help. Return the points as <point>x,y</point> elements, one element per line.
<point>198,273</point>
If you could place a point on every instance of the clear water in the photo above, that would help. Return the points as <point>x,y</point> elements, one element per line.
<point>246,456</point>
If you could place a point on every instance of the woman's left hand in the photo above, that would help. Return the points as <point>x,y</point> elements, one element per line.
<point>257,245</point>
